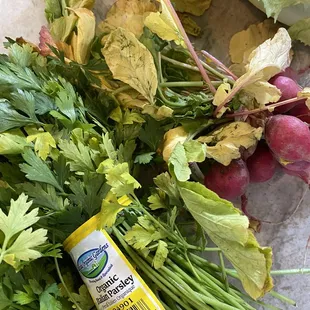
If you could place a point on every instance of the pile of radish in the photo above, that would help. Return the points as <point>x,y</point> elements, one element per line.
<point>286,145</point>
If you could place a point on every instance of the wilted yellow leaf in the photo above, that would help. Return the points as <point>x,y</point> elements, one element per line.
<point>130,99</point>
<point>263,92</point>
<point>129,15</point>
<point>164,26</point>
<point>267,60</point>
<point>220,95</point>
<point>305,93</point>
<point>190,26</point>
<point>228,139</point>
<point>171,139</point>
<point>131,62</point>
<point>75,4</point>
<point>195,7</point>
<point>81,41</point>
<point>244,42</point>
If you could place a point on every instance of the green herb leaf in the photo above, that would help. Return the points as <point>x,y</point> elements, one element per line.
<point>144,159</point>
<point>160,255</point>
<point>17,222</point>
<point>229,230</point>
<point>10,118</point>
<point>78,155</point>
<point>37,170</point>
<point>301,31</point>
<point>274,8</point>
<point>12,142</point>
<point>156,201</point>
<point>178,163</point>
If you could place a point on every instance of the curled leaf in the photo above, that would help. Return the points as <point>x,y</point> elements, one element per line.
<point>84,36</point>
<point>164,26</point>
<point>244,42</point>
<point>131,62</point>
<point>129,15</point>
<point>224,143</point>
<point>220,95</point>
<point>195,7</point>
<point>62,27</point>
<point>171,139</point>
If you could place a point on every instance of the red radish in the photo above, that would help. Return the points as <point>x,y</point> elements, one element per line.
<point>288,72</point>
<point>230,181</point>
<point>300,169</point>
<point>302,112</point>
<point>289,89</point>
<point>288,138</point>
<point>261,165</point>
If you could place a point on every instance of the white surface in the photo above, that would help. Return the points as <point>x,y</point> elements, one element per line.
<point>21,18</point>
<point>289,15</point>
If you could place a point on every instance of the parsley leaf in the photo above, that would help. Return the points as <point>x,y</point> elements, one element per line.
<point>37,170</point>
<point>16,222</point>
<point>160,255</point>
<point>10,118</point>
<point>144,159</point>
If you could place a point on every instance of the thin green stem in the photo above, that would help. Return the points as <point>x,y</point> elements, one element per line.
<point>216,73</point>
<point>161,282</point>
<point>224,274</point>
<point>282,298</point>
<point>285,272</point>
<point>180,64</point>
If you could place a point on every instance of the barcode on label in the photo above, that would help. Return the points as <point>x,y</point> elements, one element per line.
<point>140,305</point>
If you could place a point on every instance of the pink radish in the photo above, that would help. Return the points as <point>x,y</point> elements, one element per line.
<point>288,138</point>
<point>289,89</point>
<point>302,112</point>
<point>230,181</point>
<point>300,169</point>
<point>261,165</point>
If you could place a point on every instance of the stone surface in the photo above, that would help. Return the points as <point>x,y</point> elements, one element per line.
<point>273,201</point>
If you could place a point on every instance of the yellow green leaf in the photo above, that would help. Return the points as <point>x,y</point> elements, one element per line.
<point>229,230</point>
<point>131,62</point>
<point>44,142</point>
<point>244,42</point>
<point>81,41</point>
<point>190,26</point>
<point>12,142</point>
<point>162,23</point>
<point>62,27</point>
<point>305,93</point>
<point>129,15</point>
<point>75,4</point>
<point>301,31</point>
<point>220,95</point>
<point>171,139</point>
<point>160,255</point>
<point>226,141</point>
<point>195,7</point>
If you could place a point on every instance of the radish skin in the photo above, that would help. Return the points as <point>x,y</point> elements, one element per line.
<point>261,165</point>
<point>288,138</point>
<point>229,182</point>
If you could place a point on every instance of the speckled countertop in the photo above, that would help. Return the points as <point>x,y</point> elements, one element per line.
<point>272,201</point>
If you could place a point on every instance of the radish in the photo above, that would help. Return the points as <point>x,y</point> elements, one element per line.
<point>288,138</point>
<point>230,181</point>
<point>289,89</point>
<point>288,72</point>
<point>302,112</point>
<point>300,169</point>
<point>261,165</point>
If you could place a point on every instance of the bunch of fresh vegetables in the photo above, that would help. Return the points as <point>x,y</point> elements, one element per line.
<point>121,118</point>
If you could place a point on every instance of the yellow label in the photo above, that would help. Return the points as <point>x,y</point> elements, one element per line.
<point>111,280</point>
<point>137,300</point>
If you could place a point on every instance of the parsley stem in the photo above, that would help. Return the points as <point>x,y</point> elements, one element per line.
<point>224,274</point>
<point>282,298</point>
<point>161,282</point>
<point>188,84</point>
<point>290,271</point>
